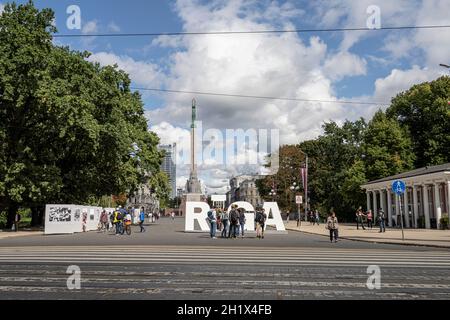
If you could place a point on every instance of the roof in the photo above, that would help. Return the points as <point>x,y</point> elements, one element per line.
<point>414,173</point>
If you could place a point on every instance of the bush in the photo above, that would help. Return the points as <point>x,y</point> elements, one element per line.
<point>421,222</point>
<point>444,222</point>
<point>2,219</point>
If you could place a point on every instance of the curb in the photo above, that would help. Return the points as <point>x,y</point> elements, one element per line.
<point>376,241</point>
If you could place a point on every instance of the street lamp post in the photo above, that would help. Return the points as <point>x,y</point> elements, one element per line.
<point>294,188</point>
<point>272,193</point>
<point>306,185</point>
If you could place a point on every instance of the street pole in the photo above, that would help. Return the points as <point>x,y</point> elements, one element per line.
<point>306,190</point>
<point>401,215</point>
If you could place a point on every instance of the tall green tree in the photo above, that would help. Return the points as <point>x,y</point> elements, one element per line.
<point>424,111</point>
<point>70,130</point>
<point>387,148</point>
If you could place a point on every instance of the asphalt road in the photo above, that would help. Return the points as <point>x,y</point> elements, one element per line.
<point>168,232</point>
<point>166,263</point>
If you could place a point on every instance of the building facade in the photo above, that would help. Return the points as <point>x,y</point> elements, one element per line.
<point>169,166</point>
<point>243,188</point>
<point>143,197</point>
<point>425,201</point>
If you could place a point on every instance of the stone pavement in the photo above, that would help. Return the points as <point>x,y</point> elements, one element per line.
<point>10,234</point>
<point>420,237</point>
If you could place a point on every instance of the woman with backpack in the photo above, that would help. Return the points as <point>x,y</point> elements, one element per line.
<point>260,220</point>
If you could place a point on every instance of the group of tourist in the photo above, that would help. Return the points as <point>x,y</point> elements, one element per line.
<point>360,216</point>
<point>232,224</point>
<point>120,220</point>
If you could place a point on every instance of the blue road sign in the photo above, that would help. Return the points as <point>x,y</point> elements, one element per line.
<point>398,187</point>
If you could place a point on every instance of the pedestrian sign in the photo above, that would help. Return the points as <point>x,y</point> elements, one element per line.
<point>298,199</point>
<point>398,187</point>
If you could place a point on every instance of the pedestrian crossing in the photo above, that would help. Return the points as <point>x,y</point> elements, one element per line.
<point>209,272</point>
<point>210,255</point>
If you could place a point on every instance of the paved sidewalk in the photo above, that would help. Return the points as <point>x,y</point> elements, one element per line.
<point>420,237</point>
<point>11,234</point>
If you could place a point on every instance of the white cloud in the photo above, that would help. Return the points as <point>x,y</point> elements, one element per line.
<point>142,73</point>
<point>345,64</point>
<point>271,65</point>
<point>400,80</point>
<point>353,14</point>
<point>262,65</point>
<point>89,27</point>
<point>2,7</point>
<point>113,27</point>
<point>434,42</point>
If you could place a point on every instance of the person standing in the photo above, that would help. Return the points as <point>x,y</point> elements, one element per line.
<point>258,219</point>
<point>359,218</point>
<point>17,219</point>
<point>382,221</point>
<point>242,221</point>
<point>225,220</point>
<point>142,219</point>
<point>233,222</point>
<point>173,215</point>
<point>212,222</point>
<point>317,216</point>
<point>104,221</point>
<point>263,222</point>
<point>332,225</point>
<point>118,221</point>
<point>369,219</point>
<point>219,219</point>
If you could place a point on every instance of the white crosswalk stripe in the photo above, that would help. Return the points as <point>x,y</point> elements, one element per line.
<point>224,256</point>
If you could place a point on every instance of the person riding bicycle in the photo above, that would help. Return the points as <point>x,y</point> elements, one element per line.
<point>127,222</point>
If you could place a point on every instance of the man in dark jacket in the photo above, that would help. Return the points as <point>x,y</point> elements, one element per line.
<point>234,221</point>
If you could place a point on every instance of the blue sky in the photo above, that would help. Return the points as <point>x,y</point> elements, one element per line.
<point>161,16</point>
<point>359,66</point>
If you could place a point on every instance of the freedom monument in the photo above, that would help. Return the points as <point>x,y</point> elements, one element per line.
<point>194,200</point>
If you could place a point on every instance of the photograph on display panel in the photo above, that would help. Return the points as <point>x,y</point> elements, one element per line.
<point>60,214</point>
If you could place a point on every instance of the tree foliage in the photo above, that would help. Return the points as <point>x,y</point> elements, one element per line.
<point>69,129</point>
<point>425,112</point>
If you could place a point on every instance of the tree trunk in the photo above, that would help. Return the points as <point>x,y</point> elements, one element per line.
<point>12,210</point>
<point>34,216</point>
<point>37,215</point>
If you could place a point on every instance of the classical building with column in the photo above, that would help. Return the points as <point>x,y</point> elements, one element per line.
<point>425,201</point>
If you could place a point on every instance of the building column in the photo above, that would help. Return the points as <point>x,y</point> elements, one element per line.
<point>437,204</point>
<point>448,198</point>
<point>368,200</point>
<point>426,210</point>
<point>374,209</point>
<point>415,207</point>
<point>389,201</point>
<point>406,208</point>
<point>381,203</point>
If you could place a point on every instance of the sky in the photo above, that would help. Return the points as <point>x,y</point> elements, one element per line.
<point>358,66</point>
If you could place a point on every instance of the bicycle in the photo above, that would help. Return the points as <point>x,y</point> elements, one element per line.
<point>128,227</point>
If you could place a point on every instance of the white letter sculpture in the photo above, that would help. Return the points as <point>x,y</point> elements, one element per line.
<point>201,216</point>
